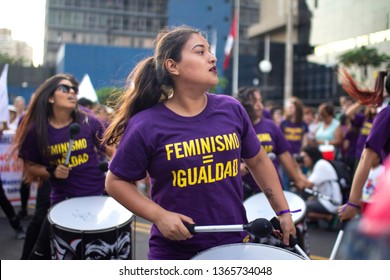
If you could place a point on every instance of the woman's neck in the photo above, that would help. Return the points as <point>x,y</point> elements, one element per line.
<point>60,119</point>
<point>256,121</point>
<point>187,105</point>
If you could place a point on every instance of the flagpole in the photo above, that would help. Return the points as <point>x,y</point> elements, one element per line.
<point>236,49</point>
<point>288,64</point>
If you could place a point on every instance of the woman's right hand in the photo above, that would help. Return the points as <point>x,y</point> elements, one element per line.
<point>61,172</point>
<point>171,225</point>
<point>346,212</point>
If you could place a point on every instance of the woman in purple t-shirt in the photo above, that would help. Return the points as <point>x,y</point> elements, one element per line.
<point>363,122</point>
<point>190,142</point>
<point>42,141</point>
<point>271,137</point>
<point>378,140</point>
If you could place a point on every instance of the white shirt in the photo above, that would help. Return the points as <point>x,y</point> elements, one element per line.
<point>371,183</point>
<point>324,178</point>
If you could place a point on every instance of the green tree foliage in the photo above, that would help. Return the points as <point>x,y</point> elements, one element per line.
<point>364,57</point>
<point>7,59</point>
<point>108,95</point>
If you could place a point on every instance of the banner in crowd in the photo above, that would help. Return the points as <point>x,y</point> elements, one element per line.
<point>11,171</point>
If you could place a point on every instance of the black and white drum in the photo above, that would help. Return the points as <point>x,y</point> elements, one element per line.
<point>91,228</point>
<point>257,206</point>
<point>247,251</point>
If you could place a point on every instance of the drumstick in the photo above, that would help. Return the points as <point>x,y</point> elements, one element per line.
<point>338,241</point>
<point>259,228</point>
<point>336,245</point>
<point>318,194</point>
<point>292,242</point>
<point>74,129</point>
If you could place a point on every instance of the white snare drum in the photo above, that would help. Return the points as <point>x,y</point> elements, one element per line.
<point>93,227</point>
<point>246,251</point>
<point>257,206</point>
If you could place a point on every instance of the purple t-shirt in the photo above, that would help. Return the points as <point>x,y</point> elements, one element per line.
<point>194,168</point>
<point>85,177</point>
<point>352,137</point>
<point>364,125</point>
<point>379,137</point>
<point>294,133</point>
<point>267,114</point>
<point>273,142</point>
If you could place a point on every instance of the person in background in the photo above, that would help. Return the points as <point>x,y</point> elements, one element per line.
<point>20,108</point>
<point>12,117</point>
<point>190,143</point>
<point>16,114</point>
<point>310,118</point>
<point>371,183</point>
<point>277,115</point>
<point>368,237</point>
<point>267,109</point>
<point>322,177</point>
<point>349,137</point>
<point>345,103</point>
<point>42,206</point>
<point>361,121</point>
<point>378,140</point>
<point>40,139</point>
<point>328,131</point>
<point>86,103</point>
<point>271,137</point>
<point>295,130</point>
<point>9,210</point>
<point>101,112</point>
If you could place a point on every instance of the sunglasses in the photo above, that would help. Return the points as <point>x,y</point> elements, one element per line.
<point>66,88</point>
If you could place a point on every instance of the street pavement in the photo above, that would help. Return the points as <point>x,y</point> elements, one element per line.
<point>321,240</point>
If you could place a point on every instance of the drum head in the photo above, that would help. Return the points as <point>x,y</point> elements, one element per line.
<point>246,251</point>
<point>257,206</point>
<point>91,213</point>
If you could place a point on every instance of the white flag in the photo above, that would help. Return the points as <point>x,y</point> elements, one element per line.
<point>4,114</point>
<point>87,90</point>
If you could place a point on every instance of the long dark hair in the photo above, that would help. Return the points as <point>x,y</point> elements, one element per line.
<point>245,96</point>
<point>149,83</point>
<point>299,107</point>
<point>366,96</point>
<point>40,111</point>
<point>313,152</point>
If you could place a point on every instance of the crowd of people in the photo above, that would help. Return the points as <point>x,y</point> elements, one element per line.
<point>200,154</point>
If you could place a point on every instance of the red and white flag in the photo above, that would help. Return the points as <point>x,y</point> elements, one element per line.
<point>229,43</point>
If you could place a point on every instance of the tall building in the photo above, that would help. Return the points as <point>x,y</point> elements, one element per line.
<point>120,23</point>
<point>271,30</point>
<point>79,34</point>
<point>340,26</point>
<point>328,29</point>
<point>15,49</point>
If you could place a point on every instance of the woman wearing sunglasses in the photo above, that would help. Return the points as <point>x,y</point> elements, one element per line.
<point>42,140</point>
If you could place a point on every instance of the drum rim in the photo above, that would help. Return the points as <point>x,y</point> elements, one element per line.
<point>73,230</point>
<point>249,244</point>
<point>91,231</point>
<point>303,211</point>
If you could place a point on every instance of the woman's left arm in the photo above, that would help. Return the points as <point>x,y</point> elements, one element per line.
<point>338,137</point>
<point>265,175</point>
